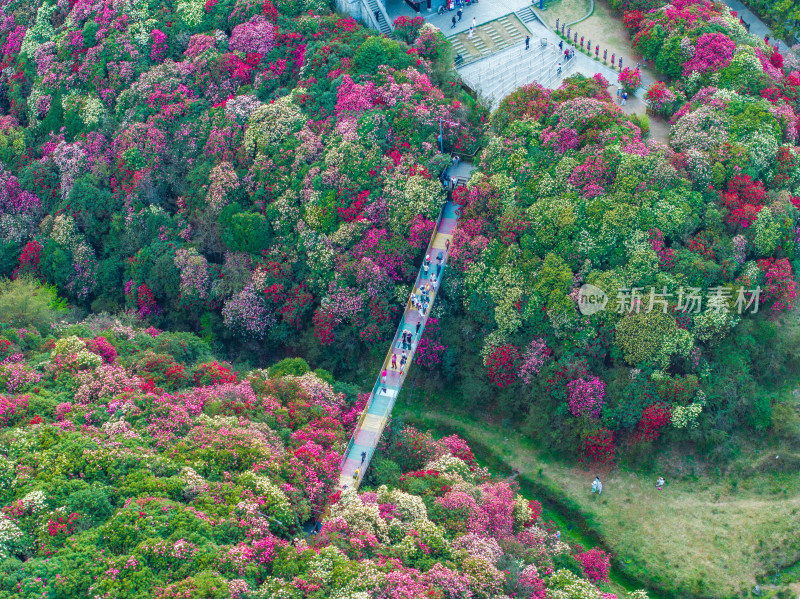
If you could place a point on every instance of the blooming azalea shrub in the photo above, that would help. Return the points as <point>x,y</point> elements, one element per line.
<point>660,98</point>
<point>598,447</point>
<point>502,365</point>
<point>630,79</point>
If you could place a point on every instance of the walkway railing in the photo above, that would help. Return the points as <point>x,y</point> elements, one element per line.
<point>368,431</point>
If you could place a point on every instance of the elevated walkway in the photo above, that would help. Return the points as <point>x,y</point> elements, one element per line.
<point>376,414</point>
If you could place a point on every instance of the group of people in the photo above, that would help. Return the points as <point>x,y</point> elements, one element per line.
<point>421,302</point>
<point>568,52</point>
<point>597,486</point>
<point>448,181</point>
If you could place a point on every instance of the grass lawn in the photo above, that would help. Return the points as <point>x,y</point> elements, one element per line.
<point>566,10</point>
<point>704,536</point>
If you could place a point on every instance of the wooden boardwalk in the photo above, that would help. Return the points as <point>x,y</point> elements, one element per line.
<point>383,396</point>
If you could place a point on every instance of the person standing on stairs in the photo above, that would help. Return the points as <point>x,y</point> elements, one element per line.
<point>377,16</point>
<point>527,42</point>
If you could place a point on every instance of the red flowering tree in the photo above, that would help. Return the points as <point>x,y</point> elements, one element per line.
<point>660,98</point>
<point>654,418</point>
<point>213,373</point>
<point>744,199</point>
<point>781,288</point>
<point>406,29</point>
<point>502,365</point>
<point>598,447</point>
<point>29,259</point>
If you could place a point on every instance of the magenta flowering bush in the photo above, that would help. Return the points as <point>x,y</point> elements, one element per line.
<point>713,51</point>
<point>630,79</point>
<point>586,396</point>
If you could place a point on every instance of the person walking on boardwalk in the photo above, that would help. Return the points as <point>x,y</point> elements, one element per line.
<point>394,361</point>
<point>459,13</point>
<point>363,457</point>
<point>356,474</point>
<point>403,360</point>
<point>474,23</point>
<point>446,245</point>
<point>419,326</point>
<point>383,376</point>
<point>425,269</point>
<point>453,26</point>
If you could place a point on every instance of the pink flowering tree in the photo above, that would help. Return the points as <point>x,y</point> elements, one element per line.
<point>532,361</point>
<point>159,45</point>
<point>255,36</point>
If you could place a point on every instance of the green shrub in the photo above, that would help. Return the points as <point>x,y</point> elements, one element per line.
<point>289,367</point>
<point>25,303</point>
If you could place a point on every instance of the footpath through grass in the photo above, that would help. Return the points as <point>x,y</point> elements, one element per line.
<point>699,537</point>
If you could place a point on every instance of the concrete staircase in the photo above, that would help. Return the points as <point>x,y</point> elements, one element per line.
<point>526,15</point>
<point>489,38</point>
<point>497,76</point>
<point>383,24</point>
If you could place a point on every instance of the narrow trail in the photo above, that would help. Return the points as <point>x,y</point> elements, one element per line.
<point>370,426</point>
